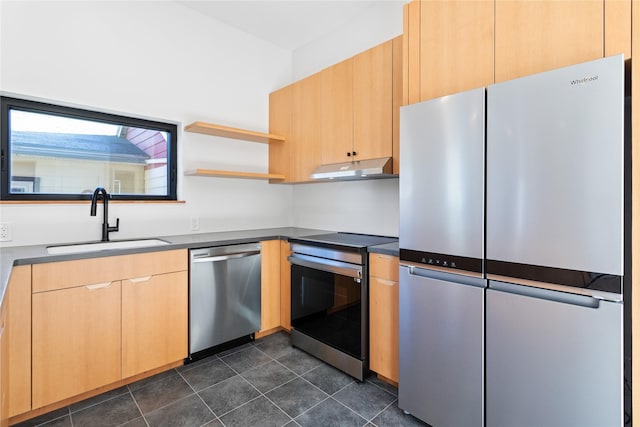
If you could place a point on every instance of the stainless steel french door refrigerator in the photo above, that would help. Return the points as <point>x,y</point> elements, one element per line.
<point>555,238</point>
<point>442,285</point>
<point>512,252</point>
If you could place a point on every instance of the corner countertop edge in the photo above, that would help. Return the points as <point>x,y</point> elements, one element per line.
<point>36,254</point>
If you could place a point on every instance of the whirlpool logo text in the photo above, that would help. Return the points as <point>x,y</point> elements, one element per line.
<point>584,80</point>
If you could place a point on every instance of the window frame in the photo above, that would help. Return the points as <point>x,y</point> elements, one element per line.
<point>8,103</point>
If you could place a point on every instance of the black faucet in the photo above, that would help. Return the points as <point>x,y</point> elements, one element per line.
<point>102,193</point>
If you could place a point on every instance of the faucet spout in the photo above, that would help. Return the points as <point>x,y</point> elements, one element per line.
<point>101,193</point>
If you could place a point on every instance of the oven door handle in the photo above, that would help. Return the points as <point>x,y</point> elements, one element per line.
<point>330,266</point>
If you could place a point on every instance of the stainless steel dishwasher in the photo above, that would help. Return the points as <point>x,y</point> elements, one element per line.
<point>224,296</point>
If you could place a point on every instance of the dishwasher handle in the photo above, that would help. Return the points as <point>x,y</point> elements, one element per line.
<point>224,257</point>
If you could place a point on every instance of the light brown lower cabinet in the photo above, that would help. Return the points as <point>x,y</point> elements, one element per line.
<point>285,285</point>
<point>76,341</point>
<point>4,365</point>
<point>102,320</point>
<point>19,326</point>
<point>383,315</point>
<point>154,321</point>
<point>270,285</point>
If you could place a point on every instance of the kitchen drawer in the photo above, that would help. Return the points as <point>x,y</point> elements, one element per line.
<point>69,274</point>
<point>383,266</point>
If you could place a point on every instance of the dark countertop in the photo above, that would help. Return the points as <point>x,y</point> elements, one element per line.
<point>36,254</point>
<point>392,249</point>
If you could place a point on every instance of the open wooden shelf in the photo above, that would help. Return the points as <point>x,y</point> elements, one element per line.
<point>232,174</point>
<point>235,133</point>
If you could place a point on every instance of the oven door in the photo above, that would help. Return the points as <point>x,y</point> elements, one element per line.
<point>327,303</point>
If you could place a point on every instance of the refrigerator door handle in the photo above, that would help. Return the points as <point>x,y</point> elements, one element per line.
<point>563,289</point>
<point>548,294</point>
<point>448,277</point>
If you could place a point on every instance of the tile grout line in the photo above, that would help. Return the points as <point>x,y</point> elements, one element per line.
<point>215,416</point>
<point>137,406</point>
<point>384,409</point>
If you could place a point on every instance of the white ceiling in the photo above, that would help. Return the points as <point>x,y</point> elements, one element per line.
<point>289,24</point>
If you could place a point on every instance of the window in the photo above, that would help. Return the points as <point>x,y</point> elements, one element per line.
<point>52,152</point>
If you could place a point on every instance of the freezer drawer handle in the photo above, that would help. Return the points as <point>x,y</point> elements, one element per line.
<point>225,257</point>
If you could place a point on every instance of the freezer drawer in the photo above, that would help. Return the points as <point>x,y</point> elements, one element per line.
<point>441,347</point>
<point>552,359</point>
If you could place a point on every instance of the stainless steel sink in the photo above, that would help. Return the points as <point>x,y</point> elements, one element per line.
<point>104,246</point>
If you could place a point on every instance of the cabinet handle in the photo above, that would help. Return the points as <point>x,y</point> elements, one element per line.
<point>348,154</point>
<point>98,286</point>
<point>386,282</point>
<point>140,279</point>
<point>353,153</point>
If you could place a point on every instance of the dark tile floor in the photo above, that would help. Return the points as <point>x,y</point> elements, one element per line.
<point>263,383</point>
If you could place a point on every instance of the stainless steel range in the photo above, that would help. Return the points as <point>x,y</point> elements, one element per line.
<point>330,298</point>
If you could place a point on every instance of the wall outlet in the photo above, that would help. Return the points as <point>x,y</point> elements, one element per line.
<point>195,223</point>
<point>5,232</point>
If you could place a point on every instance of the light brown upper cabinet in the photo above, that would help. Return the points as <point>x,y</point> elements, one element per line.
<point>336,112</point>
<point>449,47</point>
<point>536,36</point>
<point>452,46</point>
<point>280,124</point>
<point>357,107</point>
<point>344,112</point>
<point>305,148</point>
<point>617,28</point>
<point>373,103</point>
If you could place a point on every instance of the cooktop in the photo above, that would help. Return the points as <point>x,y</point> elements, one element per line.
<point>348,239</point>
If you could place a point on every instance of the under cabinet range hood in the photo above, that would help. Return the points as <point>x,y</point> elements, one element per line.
<point>356,170</point>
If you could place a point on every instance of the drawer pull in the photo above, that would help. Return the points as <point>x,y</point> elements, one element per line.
<point>386,282</point>
<point>98,286</point>
<point>140,279</point>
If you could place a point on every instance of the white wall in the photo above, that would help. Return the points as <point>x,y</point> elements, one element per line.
<point>162,60</point>
<point>381,22</point>
<point>158,60</point>
<point>359,206</point>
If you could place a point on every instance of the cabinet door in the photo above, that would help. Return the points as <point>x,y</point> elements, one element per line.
<point>336,114</point>
<point>280,124</point>
<point>76,341</point>
<point>285,285</point>
<point>383,317</point>
<point>456,46</point>
<point>411,53</point>
<point>536,36</point>
<point>154,321</point>
<point>19,321</point>
<point>305,128</point>
<point>270,286</point>
<point>373,102</point>
<point>4,366</point>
